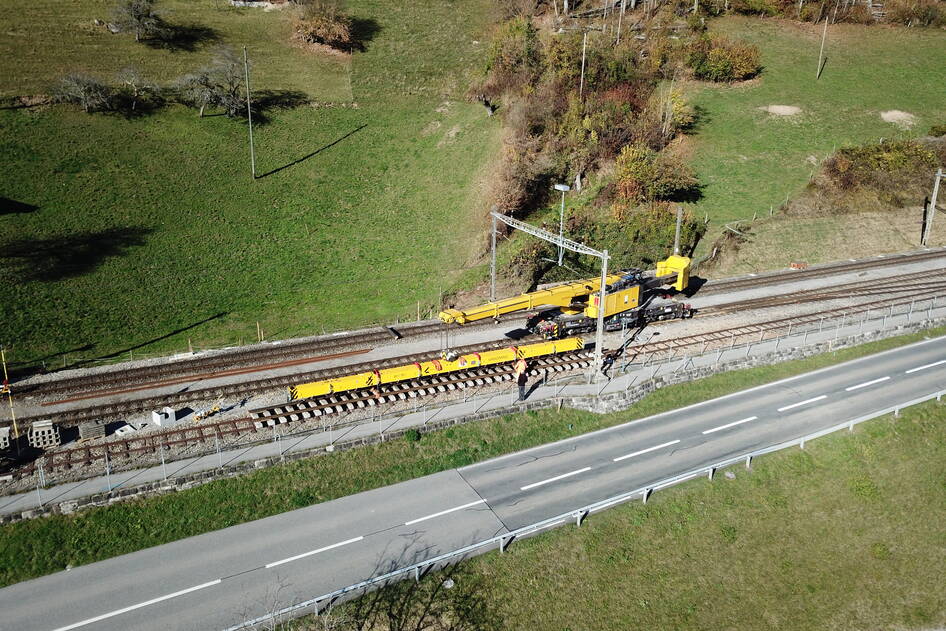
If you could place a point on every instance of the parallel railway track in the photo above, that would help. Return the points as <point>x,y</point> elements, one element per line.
<point>350,408</point>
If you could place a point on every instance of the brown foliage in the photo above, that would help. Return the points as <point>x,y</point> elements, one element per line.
<point>323,22</point>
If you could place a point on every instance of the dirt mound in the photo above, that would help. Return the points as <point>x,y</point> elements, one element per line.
<point>781,110</point>
<point>901,119</point>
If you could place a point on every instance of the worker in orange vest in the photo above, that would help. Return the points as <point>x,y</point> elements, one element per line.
<point>520,372</point>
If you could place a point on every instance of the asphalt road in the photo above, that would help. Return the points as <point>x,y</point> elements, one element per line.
<point>220,578</point>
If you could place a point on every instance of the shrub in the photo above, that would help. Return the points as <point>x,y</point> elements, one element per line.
<point>916,12</point>
<point>718,59</point>
<point>872,165</point>
<point>645,175</point>
<point>85,90</point>
<point>323,22</point>
<point>412,436</point>
<point>514,55</point>
<point>938,130</point>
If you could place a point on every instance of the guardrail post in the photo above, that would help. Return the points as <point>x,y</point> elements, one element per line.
<point>710,472</point>
<point>850,427</point>
<point>504,543</point>
<point>580,517</point>
<point>896,413</point>
<point>802,443</point>
<point>748,461</point>
<point>417,574</point>
<point>645,495</point>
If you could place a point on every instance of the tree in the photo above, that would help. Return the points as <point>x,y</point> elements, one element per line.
<point>219,84</point>
<point>85,90</point>
<point>138,16</point>
<point>135,87</point>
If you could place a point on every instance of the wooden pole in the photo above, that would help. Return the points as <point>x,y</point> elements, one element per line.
<point>249,113</point>
<point>824,36</point>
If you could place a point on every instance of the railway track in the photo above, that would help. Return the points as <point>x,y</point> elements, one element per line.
<point>715,287</point>
<point>350,408</point>
<point>118,410</point>
<point>282,354</point>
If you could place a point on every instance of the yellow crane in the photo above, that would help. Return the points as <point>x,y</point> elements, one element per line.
<point>573,307</point>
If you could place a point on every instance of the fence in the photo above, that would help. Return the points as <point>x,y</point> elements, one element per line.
<point>501,542</point>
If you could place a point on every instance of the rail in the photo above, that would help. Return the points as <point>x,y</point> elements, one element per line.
<point>416,570</point>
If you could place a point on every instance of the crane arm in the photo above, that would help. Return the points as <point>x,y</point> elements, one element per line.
<point>558,296</point>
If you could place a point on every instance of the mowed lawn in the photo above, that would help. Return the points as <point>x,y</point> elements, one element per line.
<point>143,233</point>
<point>749,160</point>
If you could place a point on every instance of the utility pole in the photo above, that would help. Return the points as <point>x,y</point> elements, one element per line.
<point>676,235</point>
<point>492,266</point>
<point>584,45</point>
<point>249,112</point>
<point>563,188</point>
<point>6,388</point>
<point>931,212</point>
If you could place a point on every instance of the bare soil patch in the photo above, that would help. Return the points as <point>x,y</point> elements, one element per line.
<point>902,119</point>
<point>782,110</point>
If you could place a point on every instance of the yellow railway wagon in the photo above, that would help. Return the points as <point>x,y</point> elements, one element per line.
<point>433,367</point>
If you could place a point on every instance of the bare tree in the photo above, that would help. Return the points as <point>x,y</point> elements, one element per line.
<point>85,90</point>
<point>219,84</point>
<point>136,87</point>
<point>138,16</point>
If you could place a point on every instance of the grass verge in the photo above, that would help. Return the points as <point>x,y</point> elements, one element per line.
<point>41,546</point>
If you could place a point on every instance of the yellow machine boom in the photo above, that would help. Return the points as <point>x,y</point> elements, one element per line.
<point>574,297</point>
<point>558,296</point>
<point>432,367</point>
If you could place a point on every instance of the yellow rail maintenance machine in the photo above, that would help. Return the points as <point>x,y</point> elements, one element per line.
<point>374,378</point>
<point>572,308</point>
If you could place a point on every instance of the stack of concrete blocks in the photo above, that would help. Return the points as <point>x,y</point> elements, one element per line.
<point>4,438</point>
<point>89,430</point>
<point>165,418</point>
<point>44,434</point>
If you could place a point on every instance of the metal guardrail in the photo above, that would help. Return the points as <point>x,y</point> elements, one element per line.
<point>578,515</point>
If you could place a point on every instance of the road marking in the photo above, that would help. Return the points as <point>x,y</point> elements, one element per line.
<point>555,479</point>
<point>644,451</point>
<point>117,612</point>
<point>311,552</point>
<point>444,512</point>
<point>942,361</point>
<point>733,424</point>
<point>865,384</point>
<point>800,403</point>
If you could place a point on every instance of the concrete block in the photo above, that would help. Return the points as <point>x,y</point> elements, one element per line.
<point>44,434</point>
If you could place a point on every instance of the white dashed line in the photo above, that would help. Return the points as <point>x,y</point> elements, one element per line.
<point>733,424</point>
<point>918,368</point>
<point>444,512</point>
<point>644,451</point>
<point>117,612</point>
<point>865,384</point>
<point>311,552</point>
<point>555,479</point>
<point>800,403</point>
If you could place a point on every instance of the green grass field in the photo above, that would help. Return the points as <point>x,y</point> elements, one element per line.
<point>145,228</point>
<point>749,160</point>
<point>41,546</point>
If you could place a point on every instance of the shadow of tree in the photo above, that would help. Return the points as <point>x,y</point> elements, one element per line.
<point>363,30</point>
<point>12,207</point>
<point>67,256</point>
<point>182,37</point>
<point>265,101</point>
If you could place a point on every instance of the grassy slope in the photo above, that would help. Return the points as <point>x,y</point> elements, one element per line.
<point>41,546</point>
<point>847,534</point>
<point>750,160</point>
<point>168,229</point>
